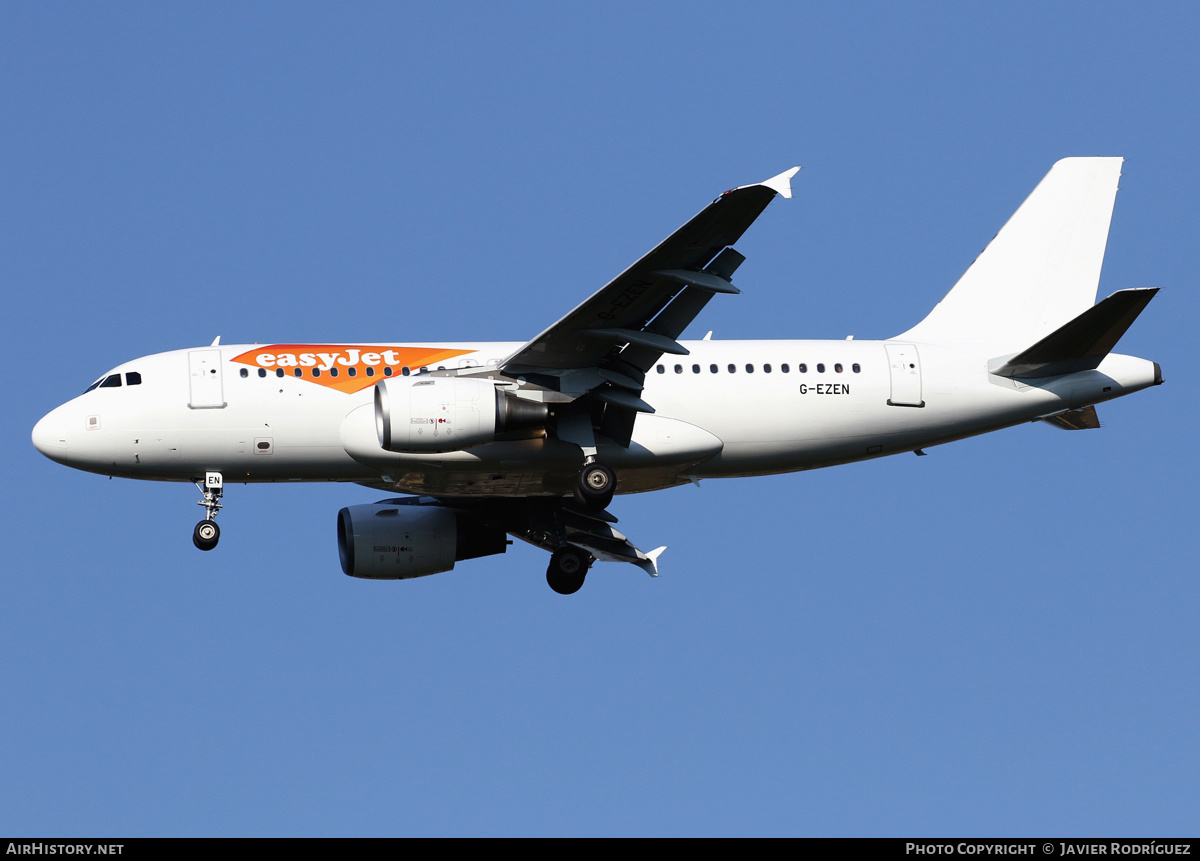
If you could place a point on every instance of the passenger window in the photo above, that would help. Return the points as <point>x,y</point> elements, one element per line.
<point>695,369</point>
<point>661,369</point>
<point>316,373</point>
<point>802,368</point>
<point>820,367</point>
<point>245,373</point>
<point>370,372</point>
<point>712,369</point>
<point>838,367</point>
<point>333,372</point>
<point>279,372</point>
<point>387,371</point>
<point>749,368</point>
<point>733,369</point>
<point>783,369</point>
<point>298,372</point>
<point>855,367</point>
<point>262,372</point>
<point>404,372</point>
<point>766,369</point>
<point>679,369</point>
<point>352,372</point>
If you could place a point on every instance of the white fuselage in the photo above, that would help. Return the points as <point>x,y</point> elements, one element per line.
<point>729,408</point>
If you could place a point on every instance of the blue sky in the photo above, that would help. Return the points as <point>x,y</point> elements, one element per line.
<point>996,639</point>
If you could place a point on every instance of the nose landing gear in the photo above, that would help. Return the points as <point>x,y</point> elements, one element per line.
<point>207,533</point>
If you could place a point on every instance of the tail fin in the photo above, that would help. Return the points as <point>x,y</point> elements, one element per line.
<point>1042,268</point>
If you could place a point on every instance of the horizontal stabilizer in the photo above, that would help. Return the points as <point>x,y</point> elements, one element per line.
<point>1081,344</point>
<point>1084,419</point>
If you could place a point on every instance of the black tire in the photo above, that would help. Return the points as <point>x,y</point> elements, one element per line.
<point>595,488</point>
<point>206,534</point>
<point>567,571</point>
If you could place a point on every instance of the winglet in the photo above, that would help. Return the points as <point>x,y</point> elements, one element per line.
<point>781,184</point>
<point>649,563</point>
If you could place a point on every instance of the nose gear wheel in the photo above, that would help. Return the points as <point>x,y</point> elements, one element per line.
<point>206,534</point>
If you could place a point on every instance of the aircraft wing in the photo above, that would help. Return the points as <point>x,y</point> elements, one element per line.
<point>606,345</point>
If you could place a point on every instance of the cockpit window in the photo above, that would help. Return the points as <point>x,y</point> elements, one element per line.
<point>111,381</point>
<point>133,378</point>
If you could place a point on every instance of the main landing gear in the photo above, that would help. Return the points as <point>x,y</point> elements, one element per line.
<point>568,568</point>
<point>207,533</point>
<point>596,483</point>
<point>595,486</point>
<point>569,565</point>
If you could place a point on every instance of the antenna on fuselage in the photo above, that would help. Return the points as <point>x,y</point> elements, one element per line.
<point>216,342</point>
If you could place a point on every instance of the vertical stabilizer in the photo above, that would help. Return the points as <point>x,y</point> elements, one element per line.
<point>1042,268</point>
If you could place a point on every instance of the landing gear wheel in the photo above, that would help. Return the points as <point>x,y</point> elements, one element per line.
<point>595,487</point>
<point>206,534</point>
<point>568,568</point>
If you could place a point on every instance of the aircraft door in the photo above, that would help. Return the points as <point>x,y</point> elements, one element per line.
<point>204,380</point>
<point>904,366</point>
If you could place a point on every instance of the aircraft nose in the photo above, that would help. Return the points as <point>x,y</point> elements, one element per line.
<point>50,436</point>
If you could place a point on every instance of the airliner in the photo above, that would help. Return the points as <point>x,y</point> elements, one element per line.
<point>477,442</point>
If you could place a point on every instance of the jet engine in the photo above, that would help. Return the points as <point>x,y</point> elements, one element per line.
<point>397,540</point>
<point>435,414</point>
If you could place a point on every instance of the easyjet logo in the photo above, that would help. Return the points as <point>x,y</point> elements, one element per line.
<point>342,366</point>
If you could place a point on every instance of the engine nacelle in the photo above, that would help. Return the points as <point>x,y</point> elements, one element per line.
<point>434,414</point>
<point>395,541</point>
